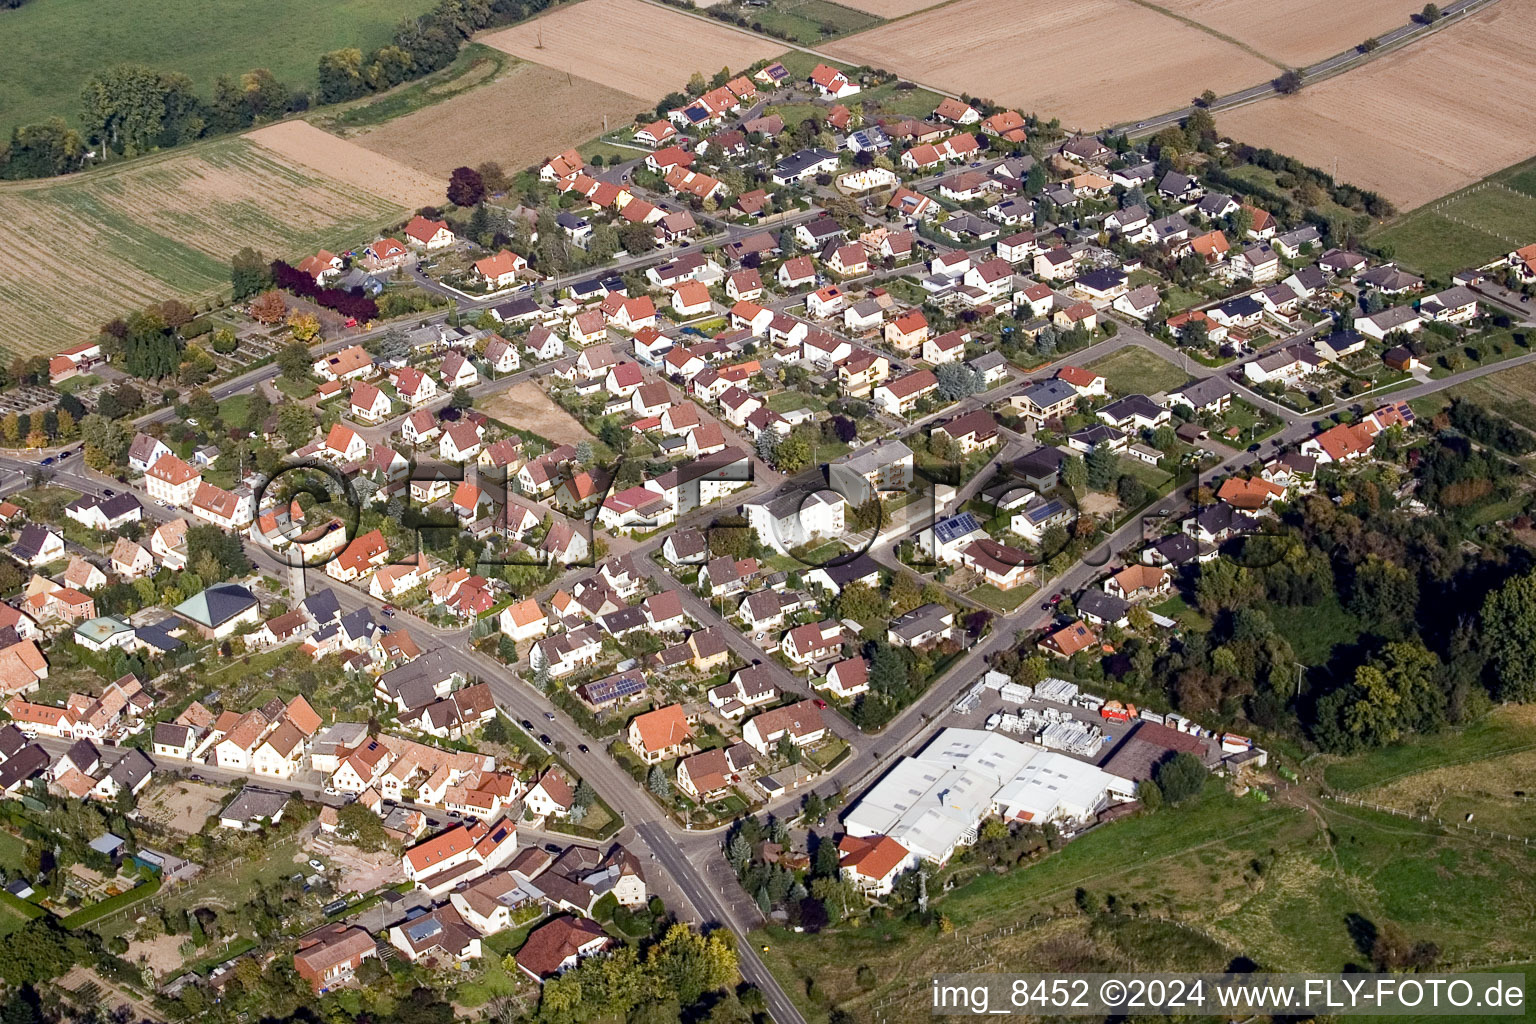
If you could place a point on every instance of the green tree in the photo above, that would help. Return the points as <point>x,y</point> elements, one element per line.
<point>294,361</point>
<point>637,239</point>
<point>658,783</point>
<point>359,826</point>
<point>1102,466</point>
<point>340,75</point>
<point>42,150</point>
<point>1509,637</point>
<point>792,455</point>
<point>296,423</point>
<point>1180,777</point>
<point>249,273</point>
<point>1074,474</point>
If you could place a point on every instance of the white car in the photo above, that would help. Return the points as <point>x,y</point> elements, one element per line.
<point>317,865</point>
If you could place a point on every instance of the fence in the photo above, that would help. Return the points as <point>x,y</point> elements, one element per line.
<point>1350,801</point>
<point>1445,204</point>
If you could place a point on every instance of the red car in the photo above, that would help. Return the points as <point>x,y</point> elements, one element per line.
<point>821,704</point>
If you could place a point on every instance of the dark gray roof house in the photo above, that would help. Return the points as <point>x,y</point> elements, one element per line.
<point>322,607</point>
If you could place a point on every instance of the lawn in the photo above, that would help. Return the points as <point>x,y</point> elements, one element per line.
<point>891,98</point>
<point>1000,600</point>
<point>1511,393</point>
<point>13,853</point>
<point>1154,477</point>
<point>198,38</point>
<point>1134,370</point>
<point>808,22</point>
<point>1184,614</point>
<point>1469,228</point>
<point>1224,878</point>
<point>1314,630</point>
<point>789,401</point>
<point>1503,731</point>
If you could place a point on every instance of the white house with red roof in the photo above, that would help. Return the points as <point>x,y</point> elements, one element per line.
<point>656,134</point>
<point>386,253</point>
<point>691,299</point>
<point>428,234</point>
<point>832,83</point>
<point>344,445</point>
<point>501,270</point>
<point>502,356</point>
<point>946,348</point>
<point>826,302</point>
<point>419,427</point>
<point>873,863</point>
<point>623,378</point>
<point>1085,382</point>
<point>369,404</point>
<point>458,372</point>
<point>172,480</point>
<point>562,166</point>
<point>413,386</point>
<point>460,442</point>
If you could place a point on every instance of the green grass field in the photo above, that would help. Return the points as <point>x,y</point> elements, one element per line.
<point>1468,228</point>
<point>70,40</point>
<point>1511,393</point>
<point>1501,732</point>
<point>809,22</point>
<point>1290,887</point>
<point>13,852</point>
<point>1135,370</point>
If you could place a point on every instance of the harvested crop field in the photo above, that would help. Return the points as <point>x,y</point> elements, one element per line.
<point>1296,33</point>
<point>525,116</point>
<point>890,8</point>
<point>579,39</point>
<point>1093,63</point>
<point>302,143</point>
<point>1418,123</point>
<point>527,407</point>
<point>92,246</point>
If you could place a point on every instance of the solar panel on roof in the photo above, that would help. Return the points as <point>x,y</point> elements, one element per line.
<point>1045,511</point>
<point>423,928</point>
<point>955,526</point>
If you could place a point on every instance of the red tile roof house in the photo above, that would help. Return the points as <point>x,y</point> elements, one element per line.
<point>369,403</point>
<point>832,83</point>
<point>429,234</point>
<point>807,644</point>
<point>873,862</point>
<point>328,956</point>
<point>661,734</point>
<point>501,270</point>
<point>556,947</point>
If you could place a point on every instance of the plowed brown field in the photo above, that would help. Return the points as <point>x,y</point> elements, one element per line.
<point>630,46</point>
<point>1416,124</point>
<point>526,116</point>
<point>302,143</point>
<point>1091,63</point>
<point>1297,32</point>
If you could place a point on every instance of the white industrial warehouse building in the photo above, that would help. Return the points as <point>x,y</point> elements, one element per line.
<point>935,802</point>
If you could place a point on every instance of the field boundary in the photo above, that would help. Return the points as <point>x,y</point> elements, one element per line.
<point>1208,30</point>
<point>1409,815</point>
<point>1347,60</point>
